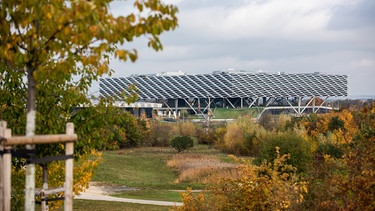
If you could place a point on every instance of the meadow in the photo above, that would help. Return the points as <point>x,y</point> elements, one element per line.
<point>157,173</point>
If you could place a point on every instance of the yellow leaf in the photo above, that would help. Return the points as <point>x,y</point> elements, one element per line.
<point>66,30</point>
<point>102,69</point>
<point>93,30</point>
<point>121,54</point>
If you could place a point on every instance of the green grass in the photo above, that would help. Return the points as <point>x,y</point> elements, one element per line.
<point>145,169</point>
<point>230,113</point>
<point>134,168</point>
<point>139,167</point>
<point>90,205</point>
<point>151,194</point>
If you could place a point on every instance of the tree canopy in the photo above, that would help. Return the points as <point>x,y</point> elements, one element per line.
<point>57,39</point>
<point>52,50</point>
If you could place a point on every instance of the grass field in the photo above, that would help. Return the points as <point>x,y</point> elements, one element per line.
<point>89,205</point>
<point>224,113</point>
<point>146,170</point>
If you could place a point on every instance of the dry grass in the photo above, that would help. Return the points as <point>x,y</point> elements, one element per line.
<point>200,168</point>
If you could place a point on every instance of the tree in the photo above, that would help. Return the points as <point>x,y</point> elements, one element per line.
<point>289,142</point>
<point>50,42</point>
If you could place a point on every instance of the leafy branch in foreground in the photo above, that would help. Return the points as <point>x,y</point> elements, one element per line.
<point>60,47</point>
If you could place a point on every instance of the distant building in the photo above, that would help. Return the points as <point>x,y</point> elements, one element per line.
<point>230,89</point>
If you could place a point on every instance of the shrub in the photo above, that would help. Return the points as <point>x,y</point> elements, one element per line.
<point>199,168</point>
<point>234,140</point>
<point>180,143</point>
<point>336,123</point>
<point>289,142</point>
<point>161,133</point>
<point>266,187</point>
<point>205,136</point>
<point>267,120</point>
<point>329,149</point>
<point>282,122</point>
<point>346,182</point>
<point>241,137</point>
<point>144,125</point>
<point>187,129</point>
<point>128,123</point>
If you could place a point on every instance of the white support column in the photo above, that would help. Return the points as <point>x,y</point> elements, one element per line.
<point>199,105</point>
<point>187,102</point>
<point>230,103</point>
<point>270,100</point>
<point>69,150</point>
<point>313,105</point>
<point>252,103</point>
<point>311,100</point>
<point>291,106</point>
<point>321,104</point>
<point>170,109</point>
<point>208,104</point>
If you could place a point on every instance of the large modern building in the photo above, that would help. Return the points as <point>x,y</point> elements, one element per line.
<point>198,93</point>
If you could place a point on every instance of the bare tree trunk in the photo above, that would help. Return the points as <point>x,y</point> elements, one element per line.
<point>30,131</point>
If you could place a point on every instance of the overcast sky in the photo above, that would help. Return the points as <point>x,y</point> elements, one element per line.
<point>303,36</point>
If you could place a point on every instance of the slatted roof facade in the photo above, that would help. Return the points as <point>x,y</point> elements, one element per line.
<point>228,85</point>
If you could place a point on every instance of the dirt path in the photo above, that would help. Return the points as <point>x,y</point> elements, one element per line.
<point>96,191</point>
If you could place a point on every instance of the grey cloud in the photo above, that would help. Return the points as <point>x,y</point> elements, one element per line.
<point>356,16</point>
<point>342,44</point>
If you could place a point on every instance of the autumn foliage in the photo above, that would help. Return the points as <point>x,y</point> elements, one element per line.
<point>321,162</point>
<point>61,47</point>
<point>270,186</point>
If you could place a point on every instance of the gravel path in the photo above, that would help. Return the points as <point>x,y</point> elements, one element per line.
<point>101,192</point>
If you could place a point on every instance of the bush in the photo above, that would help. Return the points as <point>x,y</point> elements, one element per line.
<point>187,129</point>
<point>269,186</point>
<point>300,150</point>
<point>346,182</point>
<point>329,149</point>
<point>180,143</point>
<point>234,140</point>
<point>241,137</point>
<point>162,134</point>
<point>205,137</point>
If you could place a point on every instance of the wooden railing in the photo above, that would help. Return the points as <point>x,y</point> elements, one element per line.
<point>6,143</point>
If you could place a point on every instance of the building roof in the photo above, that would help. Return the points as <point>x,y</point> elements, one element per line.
<point>228,85</point>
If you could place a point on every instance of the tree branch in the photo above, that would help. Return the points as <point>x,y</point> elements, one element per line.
<point>53,36</point>
<point>12,67</point>
<point>19,32</point>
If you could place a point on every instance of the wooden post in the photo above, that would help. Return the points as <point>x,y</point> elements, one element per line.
<point>7,141</point>
<point>7,169</point>
<point>44,197</point>
<point>3,126</point>
<point>69,150</point>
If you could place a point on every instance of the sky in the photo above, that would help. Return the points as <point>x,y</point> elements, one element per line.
<point>304,36</point>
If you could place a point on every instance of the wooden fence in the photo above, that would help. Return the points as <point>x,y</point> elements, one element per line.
<point>6,143</point>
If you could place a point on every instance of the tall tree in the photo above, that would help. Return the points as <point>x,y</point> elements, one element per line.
<point>52,41</point>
